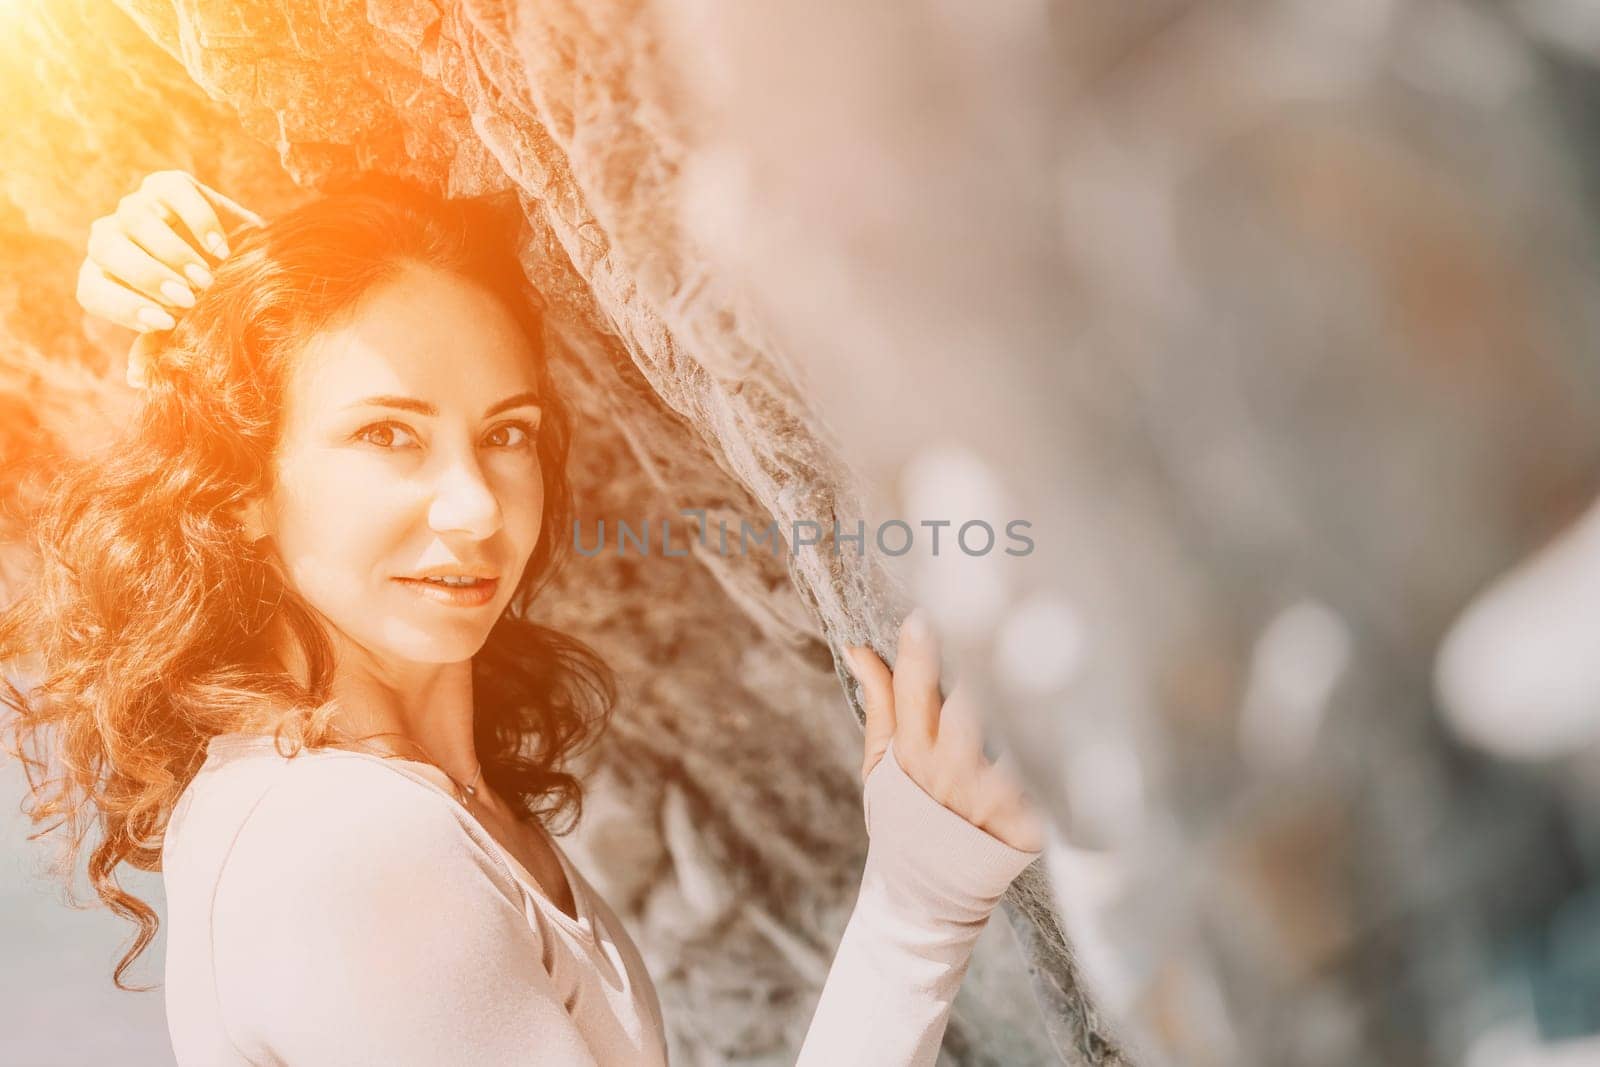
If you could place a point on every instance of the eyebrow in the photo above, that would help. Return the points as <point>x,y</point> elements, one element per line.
<point>422,407</point>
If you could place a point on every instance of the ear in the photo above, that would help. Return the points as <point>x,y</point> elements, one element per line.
<point>252,519</point>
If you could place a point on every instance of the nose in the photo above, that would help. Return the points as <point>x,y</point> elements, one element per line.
<point>464,502</point>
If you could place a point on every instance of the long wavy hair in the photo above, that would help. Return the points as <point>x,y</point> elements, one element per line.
<point>146,629</point>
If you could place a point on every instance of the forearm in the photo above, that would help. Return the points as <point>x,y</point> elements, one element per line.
<point>930,883</point>
<point>888,994</point>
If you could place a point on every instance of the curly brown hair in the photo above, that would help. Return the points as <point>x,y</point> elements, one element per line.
<point>146,629</point>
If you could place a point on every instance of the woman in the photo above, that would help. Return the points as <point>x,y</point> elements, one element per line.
<point>282,641</point>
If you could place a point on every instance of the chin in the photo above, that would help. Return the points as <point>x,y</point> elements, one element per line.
<point>416,642</point>
<point>440,651</point>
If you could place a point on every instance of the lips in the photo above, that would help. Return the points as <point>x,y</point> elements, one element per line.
<point>466,596</point>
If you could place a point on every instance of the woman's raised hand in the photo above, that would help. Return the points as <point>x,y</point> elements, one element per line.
<point>143,268</point>
<point>938,741</point>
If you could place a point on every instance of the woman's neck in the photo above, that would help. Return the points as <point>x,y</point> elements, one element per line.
<point>430,709</point>
<point>419,710</point>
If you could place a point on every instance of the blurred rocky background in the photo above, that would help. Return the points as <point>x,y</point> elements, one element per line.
<point>1275,322</point>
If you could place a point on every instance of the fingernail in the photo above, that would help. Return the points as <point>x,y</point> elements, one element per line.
<point>199,275</point>
<point>177,294</point>
<point>156,319</point>
<point>218,246</point>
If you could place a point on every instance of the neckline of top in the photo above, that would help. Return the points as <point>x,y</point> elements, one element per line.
<point>584,925</point>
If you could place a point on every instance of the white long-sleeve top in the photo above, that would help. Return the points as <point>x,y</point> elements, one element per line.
<point>340,908</point>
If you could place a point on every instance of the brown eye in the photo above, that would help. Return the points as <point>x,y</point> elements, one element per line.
<point>380,434</point>
<point>518,434</point>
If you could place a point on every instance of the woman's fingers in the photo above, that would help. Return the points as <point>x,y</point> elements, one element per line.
<point>939,740</point>
<point>987,793</point>
<point>109,299</point>
<point>229,210</point>
<point>959,769</point>
<point>182,194</point>
<point>877,689</point>
<point>961,729</point>
<point>916,679</point>
<point>153,233</point>
<point>1004,811</point>
<point>117,256</point>
<point>147,260</point>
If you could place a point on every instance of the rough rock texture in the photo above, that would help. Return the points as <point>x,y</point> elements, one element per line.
<point>725,819</point>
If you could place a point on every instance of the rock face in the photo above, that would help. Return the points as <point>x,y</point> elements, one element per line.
<point>725,822</point>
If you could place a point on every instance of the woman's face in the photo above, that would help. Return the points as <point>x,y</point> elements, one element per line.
<point>408,449</point>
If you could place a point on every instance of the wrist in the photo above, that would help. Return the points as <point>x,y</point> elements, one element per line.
<point>930,856</point>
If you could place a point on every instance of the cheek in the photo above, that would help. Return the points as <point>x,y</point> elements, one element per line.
<point>330,527</point>
<point>523,508</point>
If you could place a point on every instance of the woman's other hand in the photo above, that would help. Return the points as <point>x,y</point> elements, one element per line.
<point>148,258</point>
<point>938,741</point>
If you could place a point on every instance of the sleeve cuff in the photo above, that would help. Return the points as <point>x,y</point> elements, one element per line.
<point>911,831</point>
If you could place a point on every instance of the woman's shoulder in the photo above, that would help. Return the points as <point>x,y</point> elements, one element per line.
<point>343,878</point>
<point>322,819</point>
<point>264,785</point>
<point>331,800</point>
